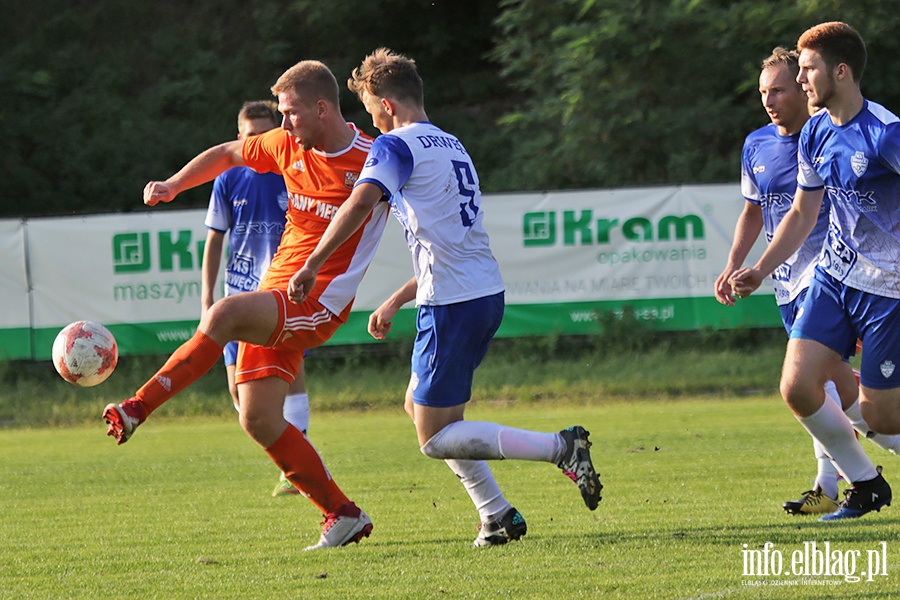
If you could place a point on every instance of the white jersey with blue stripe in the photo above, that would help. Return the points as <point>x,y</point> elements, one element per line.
<point>251,207</point>
<point>858,164</point>
<point>433,190</point>
<point>769,180</point>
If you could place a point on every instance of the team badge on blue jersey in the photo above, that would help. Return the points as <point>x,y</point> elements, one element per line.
<point>887,368</point>
<point>283,200</point>
<point>860,163</point>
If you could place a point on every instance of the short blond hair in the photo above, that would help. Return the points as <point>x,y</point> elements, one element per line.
<point>782,57</point>
<point>311,80</point>
<point>387,74</point>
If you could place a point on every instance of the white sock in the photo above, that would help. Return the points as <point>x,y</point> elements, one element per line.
<point>296,411</point>
<point>888,442</point>
<point>827,475</point>
<point>833,430</point>
<point>831,392</point>
<point>476,477</point>
<point>478,440</point>
<point>466,440</point>
<point>531,445</point>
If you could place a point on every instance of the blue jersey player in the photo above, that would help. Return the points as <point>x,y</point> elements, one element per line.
<point>250,207</point>
<point>768,183</point>
<point>850,152</point>
<point>429,179</point>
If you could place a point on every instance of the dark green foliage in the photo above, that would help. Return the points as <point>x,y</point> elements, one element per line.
<point>636,92</point>
<point>100,97</point>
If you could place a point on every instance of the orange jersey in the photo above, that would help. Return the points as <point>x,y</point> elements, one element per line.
<point>317,185</point>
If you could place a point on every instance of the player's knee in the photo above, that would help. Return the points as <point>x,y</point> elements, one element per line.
<point>432,448</point>
<point>260,425</point>
<point>223,318</point>
<point>801,395</point>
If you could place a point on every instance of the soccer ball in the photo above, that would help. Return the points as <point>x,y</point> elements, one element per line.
<point>85,353</point>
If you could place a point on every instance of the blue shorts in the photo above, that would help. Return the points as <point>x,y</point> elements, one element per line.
<point>230,353</point>
<point>450,344</point>
<point>789,311</point>
<point>836,315</point>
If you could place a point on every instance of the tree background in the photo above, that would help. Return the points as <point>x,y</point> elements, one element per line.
<point>99,97</point>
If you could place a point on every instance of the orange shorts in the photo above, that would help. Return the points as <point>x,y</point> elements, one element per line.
<point>300,327</point>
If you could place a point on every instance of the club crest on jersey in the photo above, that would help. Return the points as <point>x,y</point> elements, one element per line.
<point>350,178</point>
<point>887,368</point>
<point>299,166</point>
<point>860,163</point>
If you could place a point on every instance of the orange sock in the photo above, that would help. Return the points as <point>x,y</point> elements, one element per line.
<point>187,364</point>
<point>303,467</point>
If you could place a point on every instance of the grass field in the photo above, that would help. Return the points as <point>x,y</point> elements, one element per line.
<point>183,510</point>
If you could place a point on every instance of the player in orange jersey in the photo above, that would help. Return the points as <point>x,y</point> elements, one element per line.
<point>320,156</point>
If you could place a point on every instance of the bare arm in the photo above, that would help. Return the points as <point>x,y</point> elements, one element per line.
<point>380,320</point>
<point>204,167</point>
<point>790,235</point>
<point>746,231</point>
<point>212,258</point>
<point>350,217</point>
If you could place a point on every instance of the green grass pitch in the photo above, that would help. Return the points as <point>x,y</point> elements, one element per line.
<point>183,510</point>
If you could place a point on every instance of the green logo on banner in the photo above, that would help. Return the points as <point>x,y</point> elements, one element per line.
<point>581,228</point>
<point>132,251</point>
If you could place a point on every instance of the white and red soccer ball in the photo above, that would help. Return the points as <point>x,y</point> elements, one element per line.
<point>85,353</point>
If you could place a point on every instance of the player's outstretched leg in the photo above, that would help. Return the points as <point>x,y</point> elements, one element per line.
<point>507,527</point>
<point>343,526</point>
<point>189,362</point>
<point>576,464</point>
<point>862,498</point>
<point>568,449</point>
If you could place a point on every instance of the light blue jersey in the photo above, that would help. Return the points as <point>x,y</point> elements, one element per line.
<point>433,190</point>
<point>855,291</point>
<point>250,206</point>
<point>858,164</point>
<point>769,180</point>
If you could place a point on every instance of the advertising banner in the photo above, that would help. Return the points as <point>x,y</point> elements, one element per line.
<point>138,274</point>
<point>567,259</point>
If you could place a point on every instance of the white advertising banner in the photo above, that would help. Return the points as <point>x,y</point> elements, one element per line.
<point>566,259</point>
<point>137,273</point>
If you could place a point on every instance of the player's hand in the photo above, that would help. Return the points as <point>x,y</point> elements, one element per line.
<point>380,321</point>
<point>745,281</point>
<point>301,284</point>
<point>722,289</point>
<point>159,191</point>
